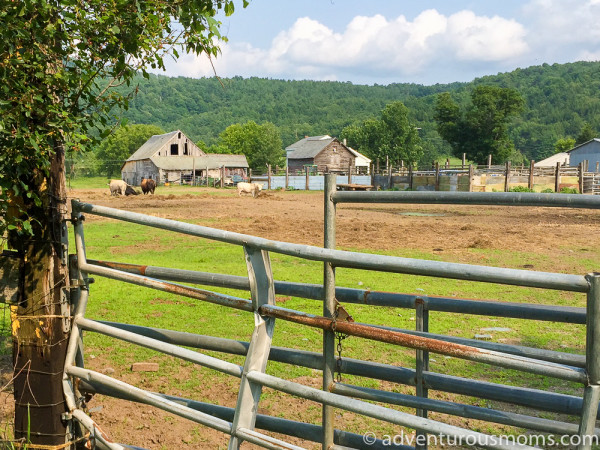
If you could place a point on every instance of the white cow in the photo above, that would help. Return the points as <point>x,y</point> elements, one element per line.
<point>117,187</point>
<point>249,188</point>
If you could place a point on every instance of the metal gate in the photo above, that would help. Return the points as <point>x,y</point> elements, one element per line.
<point>242,421</point>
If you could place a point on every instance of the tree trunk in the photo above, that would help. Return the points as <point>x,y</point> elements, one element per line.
<point>39,338</point>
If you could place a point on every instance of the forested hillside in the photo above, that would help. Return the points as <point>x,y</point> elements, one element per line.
<point>559,98</point>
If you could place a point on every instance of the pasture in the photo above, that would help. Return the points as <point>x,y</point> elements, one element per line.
<point>545,239</point>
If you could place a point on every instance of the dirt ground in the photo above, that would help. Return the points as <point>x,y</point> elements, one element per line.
<point>449,231</point>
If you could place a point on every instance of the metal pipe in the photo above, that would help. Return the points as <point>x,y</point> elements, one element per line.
<point>340,258</point>
<point>279,425</point>
<point>366,297</point>
<point>456,409</point>
<point>445,348</point>
<point>96,433</point>
<point>532,398</point>
<point>150,399</point>
<point>592,345</point>
<point>375,411</point>
<point>168,349</point>
<point>199,294</point>
<point>329,360</point>
<point>264,440</point>
<point>471,198</point>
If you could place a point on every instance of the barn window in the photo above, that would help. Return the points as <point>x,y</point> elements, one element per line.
<point>174,149</point>
<point>185,148</point>
<point>179,135</point>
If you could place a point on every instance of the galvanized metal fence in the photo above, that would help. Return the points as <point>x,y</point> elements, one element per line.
<point>242,421</point>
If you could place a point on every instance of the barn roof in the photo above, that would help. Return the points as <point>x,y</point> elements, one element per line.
<point>212,161</point>
<point>152,145</point>
<point>562,158</point>
<point>584,144</point>
<point>358,154</point>
<point>309,147</point>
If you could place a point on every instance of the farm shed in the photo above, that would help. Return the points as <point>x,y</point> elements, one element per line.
<point>174,158</point>
<point>361,162</point>
<point>588,151</point>
<point>562,158</point>
<point>326,153</point>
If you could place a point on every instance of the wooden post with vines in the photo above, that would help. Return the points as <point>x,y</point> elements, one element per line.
<point>40,324</point>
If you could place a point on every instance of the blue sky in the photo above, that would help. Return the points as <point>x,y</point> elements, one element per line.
<point>398,41</point>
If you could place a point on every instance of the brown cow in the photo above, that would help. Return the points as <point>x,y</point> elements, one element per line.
<point>148,185</point>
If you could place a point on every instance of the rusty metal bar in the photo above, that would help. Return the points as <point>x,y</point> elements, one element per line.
<point>531,398</point>
<point>445,348</point>
<point>340,258</point>
<point>530,311</point>
<point>198,294</point>
<point>471,198</point>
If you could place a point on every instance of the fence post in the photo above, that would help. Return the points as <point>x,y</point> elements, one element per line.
<point>287,177</point>
<point>531,169</point>
<point>269,176</point>
<point>350,172</point>
<point>193,171</point>
<point>507,177</point>
<point>262,290</point>
<point>591,394</point>
<point>464,160</point>
<point>377,166</point>
<point>489,161</point>
<point>557,178</point>
<point>390,178</point>
<point>580,174</point>
<point>437,176</point>
<point>410,177</point>
<point>307,185</point>
<point>329,310</point>
<point>422,362</point>
<point>222,182</point>
<point>471,175</point>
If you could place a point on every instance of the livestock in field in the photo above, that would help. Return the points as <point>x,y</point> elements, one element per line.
<point>119,187</point>
<point>249,188</point>
<point>148,185</point>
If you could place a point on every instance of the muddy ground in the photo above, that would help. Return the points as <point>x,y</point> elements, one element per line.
<point>449,231</point>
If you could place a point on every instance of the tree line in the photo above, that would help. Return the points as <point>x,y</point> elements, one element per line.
<point>521,115</point>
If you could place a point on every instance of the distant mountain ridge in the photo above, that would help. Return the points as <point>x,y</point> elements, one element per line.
<point>560,98</point>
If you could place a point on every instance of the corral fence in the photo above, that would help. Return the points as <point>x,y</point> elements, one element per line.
<point>453,178</point>
<point>242,422</point>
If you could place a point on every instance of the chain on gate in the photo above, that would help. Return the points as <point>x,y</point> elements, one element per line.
<point>340,314</point>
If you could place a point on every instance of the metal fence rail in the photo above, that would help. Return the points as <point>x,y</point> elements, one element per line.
<point>240,422</point>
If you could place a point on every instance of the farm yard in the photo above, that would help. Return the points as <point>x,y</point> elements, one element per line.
<point>543,239</point>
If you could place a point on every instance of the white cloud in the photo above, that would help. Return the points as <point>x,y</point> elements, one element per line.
<point>431,47</point>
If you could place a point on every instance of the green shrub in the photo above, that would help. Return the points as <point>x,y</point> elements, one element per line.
<point>568,190</point>
<point>520,189</point>
<point>548,191</point>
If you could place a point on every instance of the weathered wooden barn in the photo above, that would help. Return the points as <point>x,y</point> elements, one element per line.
<point>321,154</point>
<point>174,158</point>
